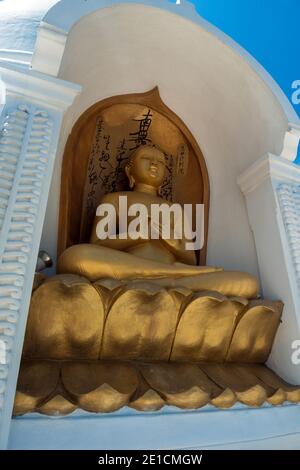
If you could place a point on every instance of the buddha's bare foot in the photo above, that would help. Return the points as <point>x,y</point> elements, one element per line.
<point>200,269</point>
<point>231,284</point>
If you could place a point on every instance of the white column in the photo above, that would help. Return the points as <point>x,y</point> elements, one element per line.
<point>30,126</point>
<point>272,192</point>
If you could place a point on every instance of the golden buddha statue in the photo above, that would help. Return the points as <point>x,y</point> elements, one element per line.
<point>188,335</point>
<point>166,263</point>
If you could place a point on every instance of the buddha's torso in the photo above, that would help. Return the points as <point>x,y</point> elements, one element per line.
<point>148,248</point>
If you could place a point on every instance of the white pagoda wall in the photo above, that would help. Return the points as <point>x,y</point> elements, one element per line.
<point>237,114</point>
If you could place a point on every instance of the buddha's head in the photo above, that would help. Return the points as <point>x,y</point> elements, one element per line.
<point>147,166</point>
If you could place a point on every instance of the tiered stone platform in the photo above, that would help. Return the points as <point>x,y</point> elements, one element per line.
<point>104,345</point>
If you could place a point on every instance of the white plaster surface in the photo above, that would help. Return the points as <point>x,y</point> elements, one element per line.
<point>19,21</point>
<point>237,428</point>
<point>271,188</point>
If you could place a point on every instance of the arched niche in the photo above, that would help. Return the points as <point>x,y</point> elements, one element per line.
<point>98,149</point>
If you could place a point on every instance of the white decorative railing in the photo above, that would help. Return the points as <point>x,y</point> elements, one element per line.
<point>25,144</point>
<point>289,201</point>
<point>29,134</point>
<point>11,140</point>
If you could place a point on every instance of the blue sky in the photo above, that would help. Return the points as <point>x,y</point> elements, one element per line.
<point>268,29</point>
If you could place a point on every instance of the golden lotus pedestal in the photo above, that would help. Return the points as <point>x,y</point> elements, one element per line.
<point>104,345</point>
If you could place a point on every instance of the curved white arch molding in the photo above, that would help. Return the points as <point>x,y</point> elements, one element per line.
<point>60,19</point>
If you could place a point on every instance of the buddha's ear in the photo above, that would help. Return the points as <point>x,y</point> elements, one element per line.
<point>129,176</point>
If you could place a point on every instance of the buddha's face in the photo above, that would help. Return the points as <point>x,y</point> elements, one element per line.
<point>148,166</point>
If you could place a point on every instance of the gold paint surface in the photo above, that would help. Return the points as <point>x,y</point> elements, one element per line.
<point>71,318</point>
<point>248,388</point>
<point>165,261</point>
<point>65,320</point>
<point>100,387</point>
<point>108,386</point>
<point>57,406</point>
<point>205,328</point>
<point>291,392</point>
<point>254,335</point>
<point>145,398</point>
<point>36,382</point>
<point>100,146</point>
<point>152,315</point>
<point>182,385</point>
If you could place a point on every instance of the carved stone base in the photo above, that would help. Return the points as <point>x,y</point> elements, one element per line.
<point>104,345</point>
<point>71,318</point>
